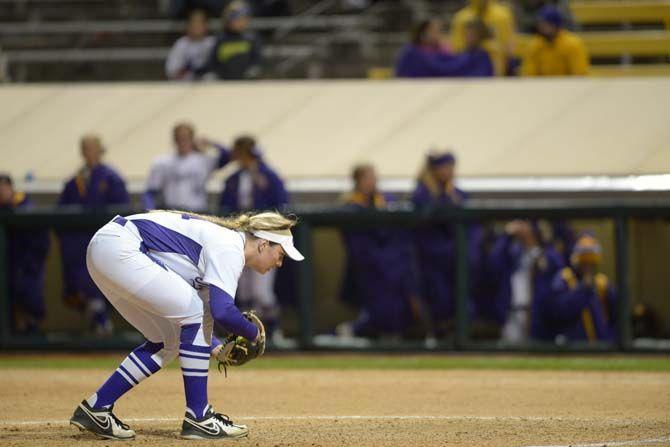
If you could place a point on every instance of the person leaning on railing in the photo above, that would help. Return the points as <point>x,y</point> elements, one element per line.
<point>26,257</point>
<point>178,180</point>
<point>94,186</point>
<point>435,246</point>
<point>582,305</point>
<point>380,278</point>
<point>523,264</point>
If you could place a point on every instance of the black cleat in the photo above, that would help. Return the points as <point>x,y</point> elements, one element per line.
<point>212,426</point>
<point>102,423</point>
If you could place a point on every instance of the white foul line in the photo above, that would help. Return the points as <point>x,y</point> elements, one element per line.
<point>359,417</point>
<point>614,443</point>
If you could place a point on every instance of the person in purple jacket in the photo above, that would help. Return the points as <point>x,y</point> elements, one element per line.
<point>435,245</point>
<point>380,275</point>
<point>523,265</point>
<point>426,56</point>
<point>95,186</point>
<point>582,304</point>
<point>27,254</point>
<point>255,186</point>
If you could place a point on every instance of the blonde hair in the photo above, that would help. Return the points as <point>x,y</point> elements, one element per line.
<point>272,221</point>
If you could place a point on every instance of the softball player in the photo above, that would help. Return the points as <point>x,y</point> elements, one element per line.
<point>170,274</point>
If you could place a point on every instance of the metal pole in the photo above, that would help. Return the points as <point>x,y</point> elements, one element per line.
<point>461,285</point>
<point>5,318</point>
<point>623,282</point>
<point>305,282</point>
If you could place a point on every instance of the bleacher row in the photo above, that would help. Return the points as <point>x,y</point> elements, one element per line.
<point>35,36</point>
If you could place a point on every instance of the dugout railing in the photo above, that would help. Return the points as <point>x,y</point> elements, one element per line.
<point>313,217</point>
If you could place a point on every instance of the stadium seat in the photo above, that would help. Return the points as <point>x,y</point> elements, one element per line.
<point>617,43</point>
<point>630,70</point>
<point>606,12</point>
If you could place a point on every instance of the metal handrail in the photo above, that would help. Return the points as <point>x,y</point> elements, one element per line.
<point>281,24</point>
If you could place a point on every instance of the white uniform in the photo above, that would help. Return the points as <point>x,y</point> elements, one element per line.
<point>155,268</point>
<point>188,54</point>
<point>182,179</point>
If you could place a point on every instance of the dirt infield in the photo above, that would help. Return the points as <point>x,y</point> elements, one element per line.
<point>360,408</point>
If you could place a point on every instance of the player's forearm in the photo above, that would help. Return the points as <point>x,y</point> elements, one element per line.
<point>228,315</point>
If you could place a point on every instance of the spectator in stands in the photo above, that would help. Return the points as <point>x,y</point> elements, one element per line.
<point>26,253</point>
<point>427,55</point>
<point>255,186</point>
<point>237,52</point>
<point>190,52</point>
<point>95,186</point>
<point>380,277</point>
<point>555,51</point>
<point>479,62</point>
<point>582,304</point>
<point>525,12</point>
<point>178,181</point>
<point>523,266</point>
<point>499,20</point>
<point>435,244</point>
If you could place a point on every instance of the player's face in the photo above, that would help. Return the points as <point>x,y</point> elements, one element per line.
<point>91,151</point>
<point>547,29</point>
<point>433,34</point>
<point>444,173</point>
<point>367,183</point>
<point>197,26</point>
<point>184,140</point>
<point>239,25</point>
<point>6,193</point>
<point>269,256</point>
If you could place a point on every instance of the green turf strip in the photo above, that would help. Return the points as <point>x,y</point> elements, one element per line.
<point>376,362</point>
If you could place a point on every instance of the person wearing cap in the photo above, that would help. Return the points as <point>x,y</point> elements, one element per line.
<point>96,186</point>
<point>525,13</point>
<point>27,251</point>
<point>172,275</point>
<point>179,180</point>
<point>190,52</point>
<point>523,263</point>
<point>499,21</point>
<point>555,51</point>
<point>255,186</point>
<point>435,244</point>
<point>582,305</point>
<point>380,277</point>
<point>237,52</point>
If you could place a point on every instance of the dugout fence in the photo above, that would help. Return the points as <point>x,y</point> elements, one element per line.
<point>315,217</point>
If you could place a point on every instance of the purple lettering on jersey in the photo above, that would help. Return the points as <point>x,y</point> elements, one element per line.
<point>159,238</point>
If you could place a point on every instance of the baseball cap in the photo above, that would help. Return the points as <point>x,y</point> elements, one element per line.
<point>283,238</point>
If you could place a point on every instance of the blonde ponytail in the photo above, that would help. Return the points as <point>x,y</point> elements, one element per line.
<point>248,222</point>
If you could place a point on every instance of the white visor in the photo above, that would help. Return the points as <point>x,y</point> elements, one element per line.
<point>285,239</point>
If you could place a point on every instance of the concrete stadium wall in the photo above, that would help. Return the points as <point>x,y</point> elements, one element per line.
<point>311,129</point>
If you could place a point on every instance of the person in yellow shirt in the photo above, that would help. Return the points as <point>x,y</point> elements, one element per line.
<point>555,51</point>
<point>499,20</point>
